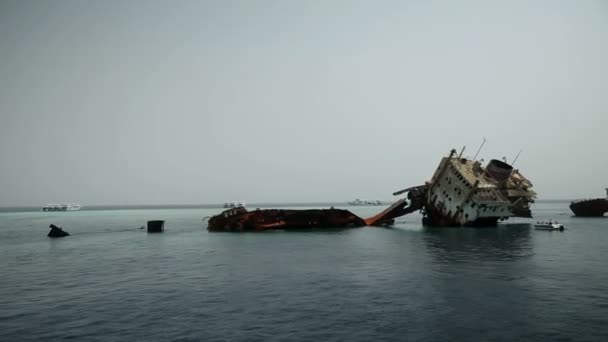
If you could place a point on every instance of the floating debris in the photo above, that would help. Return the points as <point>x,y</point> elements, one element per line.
<point>156,226</point>
<point>57,232</point>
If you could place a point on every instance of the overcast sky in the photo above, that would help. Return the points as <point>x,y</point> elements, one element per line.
<point>147,102</point>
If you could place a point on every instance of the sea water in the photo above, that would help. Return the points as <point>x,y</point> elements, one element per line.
<point>111,281</point>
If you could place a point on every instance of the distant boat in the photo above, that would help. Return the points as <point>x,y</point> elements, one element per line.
<point>549,226</point>
<point>360,202</point>
<point>590,207</point>
<point>61,207</point>
<point>235,204</point>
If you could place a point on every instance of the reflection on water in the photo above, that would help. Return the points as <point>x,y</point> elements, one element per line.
<point>459,244</point>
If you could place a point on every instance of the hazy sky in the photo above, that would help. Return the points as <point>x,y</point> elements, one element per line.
<point>146,102</point>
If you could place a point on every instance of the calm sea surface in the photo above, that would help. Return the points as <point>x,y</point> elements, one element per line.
<point>110,281</point>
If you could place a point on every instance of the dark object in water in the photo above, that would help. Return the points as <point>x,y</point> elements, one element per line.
<point>239,219</point>
<point>156,226</point>
<point>596,207</point>
<point>57,232</point>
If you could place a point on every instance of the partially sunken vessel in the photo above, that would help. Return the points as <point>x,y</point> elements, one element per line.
<point>461,192</point>
<point>591,207</point>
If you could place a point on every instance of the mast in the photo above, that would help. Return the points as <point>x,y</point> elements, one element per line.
<point>514,160</point>
<point>461,151</point>
<point>484,141</point>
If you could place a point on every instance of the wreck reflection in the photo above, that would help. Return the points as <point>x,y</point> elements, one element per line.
<point>453,245</point>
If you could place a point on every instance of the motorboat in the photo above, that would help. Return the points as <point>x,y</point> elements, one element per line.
<point>549,226</point>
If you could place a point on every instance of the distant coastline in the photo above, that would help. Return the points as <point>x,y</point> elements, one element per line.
<point>214,205</point>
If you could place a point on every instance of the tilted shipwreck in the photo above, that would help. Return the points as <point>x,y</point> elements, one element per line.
<point>461,193</point>
<point>595,207</point>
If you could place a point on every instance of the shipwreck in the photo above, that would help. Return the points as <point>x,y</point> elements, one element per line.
<point>461,192</point>
<point>595,207</point>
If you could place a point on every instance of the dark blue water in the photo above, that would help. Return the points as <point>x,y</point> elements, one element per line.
<point>110,281</point>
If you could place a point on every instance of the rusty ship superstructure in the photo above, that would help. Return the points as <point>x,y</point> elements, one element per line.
<point>463,192</point>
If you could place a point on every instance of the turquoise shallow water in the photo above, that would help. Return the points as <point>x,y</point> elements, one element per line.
<point>112,281</point>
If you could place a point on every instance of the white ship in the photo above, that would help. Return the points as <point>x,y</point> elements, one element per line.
<point>61,207</point>
<point>235,204</point>
<point>360,202</point>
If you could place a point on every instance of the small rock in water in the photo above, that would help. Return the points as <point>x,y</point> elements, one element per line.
<point>57,232</point>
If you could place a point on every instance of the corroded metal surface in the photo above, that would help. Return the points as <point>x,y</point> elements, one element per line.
<point>590,208</point>
<point>240,219</point>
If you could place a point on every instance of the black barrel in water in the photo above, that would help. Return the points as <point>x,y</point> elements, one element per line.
<point>156,226</point>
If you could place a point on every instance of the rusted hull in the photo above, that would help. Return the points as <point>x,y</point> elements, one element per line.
<point>414,202</point>
<point>590,208</point>
<point>239,219</point>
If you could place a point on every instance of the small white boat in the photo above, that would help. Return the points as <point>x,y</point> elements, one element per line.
<point>235,204</point>
<point>549,226</point>
<point>61,207</point>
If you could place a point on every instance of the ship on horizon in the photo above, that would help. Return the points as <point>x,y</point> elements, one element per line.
<point>235,204</point>
<point>595,207</point>
<point>364,202</point>
<point>61,207</point>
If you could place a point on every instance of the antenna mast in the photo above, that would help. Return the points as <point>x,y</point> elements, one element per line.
<point>514,160</point>
<point>484,141</point>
